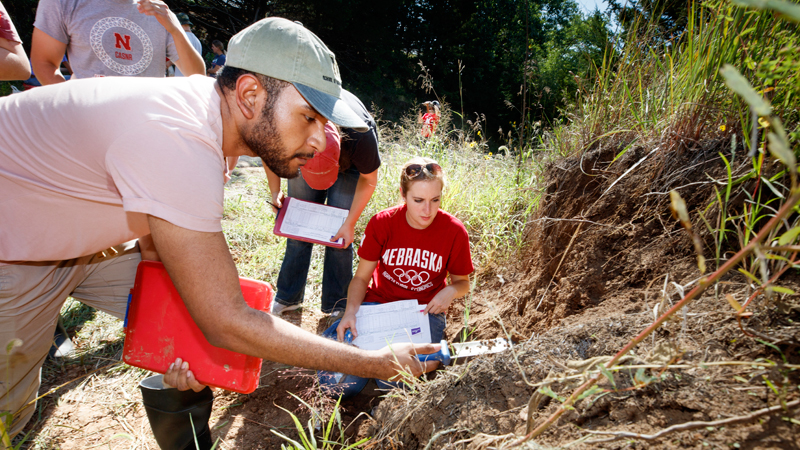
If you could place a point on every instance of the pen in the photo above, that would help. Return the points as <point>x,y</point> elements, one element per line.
<point>273,205</point>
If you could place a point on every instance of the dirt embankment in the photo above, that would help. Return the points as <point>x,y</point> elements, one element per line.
<point>602,253</point>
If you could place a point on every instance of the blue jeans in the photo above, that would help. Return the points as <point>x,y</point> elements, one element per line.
<point>350,385</point>
<point>337,269</point>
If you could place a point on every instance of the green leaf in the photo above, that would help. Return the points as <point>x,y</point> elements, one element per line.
<point>608,375</point>
<point>774,347</point>
<point>591,391</point>
<point>782,290</point>
<point>641,377</point>
<point>770,384</point>
<point>750,275</point>
<point>772,188</point>
<point>549,392</point>
<point>284,437</point>
<point>740,85</point>
<point>789,237</point>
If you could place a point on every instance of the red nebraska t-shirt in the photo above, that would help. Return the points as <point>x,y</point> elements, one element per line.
<point>413,264</point>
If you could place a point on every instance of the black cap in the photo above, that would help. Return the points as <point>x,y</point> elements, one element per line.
<point>183,18</point>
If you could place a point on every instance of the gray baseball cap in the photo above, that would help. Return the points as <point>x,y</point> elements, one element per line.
<point>282,49</point>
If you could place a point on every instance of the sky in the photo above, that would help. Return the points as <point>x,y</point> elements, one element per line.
<point>588,6</point>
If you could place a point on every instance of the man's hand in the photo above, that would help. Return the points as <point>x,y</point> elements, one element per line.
<point>179,376</point>
<point>348,321</point>
<point>161,12</point>
<point>346,232</point>
<point>277,200</point>
<point>404,360</point>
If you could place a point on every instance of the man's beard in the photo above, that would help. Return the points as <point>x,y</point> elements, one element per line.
<point>265,142</point>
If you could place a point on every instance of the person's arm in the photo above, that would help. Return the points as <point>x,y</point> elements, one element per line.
<point>13,61</point>
<point>458,287</point>
<point>148,249</point>
<point>202,269</point>
<point>274,183</point>
<point>364,190</point>
<point>66,65</point>
<point>355,297</point>
<point>230,164</point>
<point>46,55</point>
<point>213,69</point>
<point>189,61</point>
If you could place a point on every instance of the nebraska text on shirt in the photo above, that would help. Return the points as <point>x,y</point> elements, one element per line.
<point>415,257</point>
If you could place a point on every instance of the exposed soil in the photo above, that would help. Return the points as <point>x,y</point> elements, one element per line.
<point>597,263</point>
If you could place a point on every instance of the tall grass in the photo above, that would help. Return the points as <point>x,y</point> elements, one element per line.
<point>650,90</point>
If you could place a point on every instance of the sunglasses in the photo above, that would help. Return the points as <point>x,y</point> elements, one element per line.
<point>414,170</point>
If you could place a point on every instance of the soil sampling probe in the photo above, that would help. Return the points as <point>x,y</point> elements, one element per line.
<point>464,351</point>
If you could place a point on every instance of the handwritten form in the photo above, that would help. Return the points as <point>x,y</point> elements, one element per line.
<point>312,220</point>
<point>391,323</point>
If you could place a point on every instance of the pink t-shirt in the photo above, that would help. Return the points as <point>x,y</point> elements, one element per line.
<point>412,263</point>
<point>83,163</point>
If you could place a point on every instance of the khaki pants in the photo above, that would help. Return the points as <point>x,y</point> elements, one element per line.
<point>31,297</point>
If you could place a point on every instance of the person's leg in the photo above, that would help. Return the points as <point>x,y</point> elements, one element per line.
<point>338,265</point>
<point>294,268</point>
<point>108,279</point>
<point>437,322</point>
<point>335,384</point>
<point>31,296</point>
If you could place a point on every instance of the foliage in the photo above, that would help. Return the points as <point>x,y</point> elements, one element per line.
<point>318,423</point>
<point>669,17</point>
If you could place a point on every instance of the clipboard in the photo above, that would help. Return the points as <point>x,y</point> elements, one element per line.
<point>313,217</point>
<point>159,328</point>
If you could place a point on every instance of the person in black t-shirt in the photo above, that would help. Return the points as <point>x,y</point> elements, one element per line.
<point>350,187</point>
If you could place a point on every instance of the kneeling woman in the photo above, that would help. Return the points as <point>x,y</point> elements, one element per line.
<point>407,253</point>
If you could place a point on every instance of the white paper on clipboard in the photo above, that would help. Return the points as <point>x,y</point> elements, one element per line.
<point>391,323</point>
<point>312,220</point>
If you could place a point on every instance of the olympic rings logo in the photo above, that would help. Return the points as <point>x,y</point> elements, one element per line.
<point>411,276</point>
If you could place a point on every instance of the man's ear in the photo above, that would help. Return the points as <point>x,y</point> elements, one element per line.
<point>247,91</point>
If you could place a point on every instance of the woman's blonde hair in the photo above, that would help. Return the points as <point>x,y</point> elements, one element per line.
<point>424,175</point>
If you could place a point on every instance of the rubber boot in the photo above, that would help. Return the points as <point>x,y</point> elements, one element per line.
<point>62,344</point>
<point>169,411</point>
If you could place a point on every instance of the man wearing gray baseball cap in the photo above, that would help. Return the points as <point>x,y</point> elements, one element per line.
<point>145,158</point>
